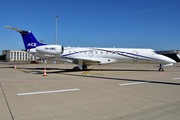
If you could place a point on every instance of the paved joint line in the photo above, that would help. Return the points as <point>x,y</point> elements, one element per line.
<point>7,102</point>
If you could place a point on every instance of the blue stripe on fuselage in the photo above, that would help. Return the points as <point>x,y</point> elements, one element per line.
<point>118,52</point>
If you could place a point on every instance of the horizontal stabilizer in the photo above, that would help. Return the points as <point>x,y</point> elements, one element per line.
<point>16,29</point>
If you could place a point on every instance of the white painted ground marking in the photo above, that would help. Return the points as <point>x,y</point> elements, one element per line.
<point>175,78</point>
<point>43,92</point>
<point>133,83</point>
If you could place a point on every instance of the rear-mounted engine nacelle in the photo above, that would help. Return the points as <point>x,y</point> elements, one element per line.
<point>50,49</point>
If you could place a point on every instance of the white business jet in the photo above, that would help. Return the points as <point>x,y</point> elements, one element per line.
<point>84,57</point>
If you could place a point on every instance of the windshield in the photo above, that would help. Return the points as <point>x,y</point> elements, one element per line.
<point>154,52</point>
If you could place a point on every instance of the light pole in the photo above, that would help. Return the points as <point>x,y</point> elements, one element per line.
<point>56,17</point>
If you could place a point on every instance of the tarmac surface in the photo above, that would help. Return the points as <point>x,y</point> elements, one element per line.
<point>107,92</point>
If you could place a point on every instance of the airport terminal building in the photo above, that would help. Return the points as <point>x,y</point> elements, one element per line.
<point>18,55</point>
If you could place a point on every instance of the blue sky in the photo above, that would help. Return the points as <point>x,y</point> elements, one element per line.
<point>93,23</point>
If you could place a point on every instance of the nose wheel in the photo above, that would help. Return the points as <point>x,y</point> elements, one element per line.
<point>160,68</point>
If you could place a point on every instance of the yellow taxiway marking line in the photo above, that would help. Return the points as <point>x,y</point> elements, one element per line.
<point>86,72</point>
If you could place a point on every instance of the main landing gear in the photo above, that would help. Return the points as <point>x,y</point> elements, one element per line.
<point>160,68</point>
<point>76,68</point>
<point>81,66</point>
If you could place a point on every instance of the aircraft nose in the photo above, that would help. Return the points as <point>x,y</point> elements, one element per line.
<point>167,59</point>
<point>173,61</point>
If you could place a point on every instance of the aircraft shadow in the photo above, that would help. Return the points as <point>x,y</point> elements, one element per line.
<point>69,71</point>
<point>124,79</point>
<point>118,70</point>
<point>48,70</point>
<point>41,68</point>
<point>6,67</point>
<point>61,70</point>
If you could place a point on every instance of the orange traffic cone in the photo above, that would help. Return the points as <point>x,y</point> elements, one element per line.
<point>14,66</point>
<point>44,72</point>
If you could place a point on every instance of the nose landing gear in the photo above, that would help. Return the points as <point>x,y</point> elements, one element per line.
<point>160,68</point>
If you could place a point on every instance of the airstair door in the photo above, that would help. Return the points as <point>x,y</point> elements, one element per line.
<point>135,56</point>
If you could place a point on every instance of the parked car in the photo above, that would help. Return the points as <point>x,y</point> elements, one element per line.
<point>34,62</point>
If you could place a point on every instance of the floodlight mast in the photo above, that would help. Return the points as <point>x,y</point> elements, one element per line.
<point>56,17</point>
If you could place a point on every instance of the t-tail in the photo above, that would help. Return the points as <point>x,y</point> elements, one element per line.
<point>28,38</point>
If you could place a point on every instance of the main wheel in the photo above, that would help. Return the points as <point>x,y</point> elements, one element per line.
<point>161,69</point>
<point>76,68</point>
<point>84,67</point>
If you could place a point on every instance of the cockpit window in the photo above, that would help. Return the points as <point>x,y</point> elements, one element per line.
<point>154,52</point>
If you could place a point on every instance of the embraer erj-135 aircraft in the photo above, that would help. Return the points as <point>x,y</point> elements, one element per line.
<point>84,57</point>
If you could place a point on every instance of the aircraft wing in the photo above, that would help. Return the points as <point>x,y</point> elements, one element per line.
<point>87,61</point>
<point>93,60</point>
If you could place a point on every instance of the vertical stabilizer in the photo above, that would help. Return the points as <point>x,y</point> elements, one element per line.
<point>28,38</point>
